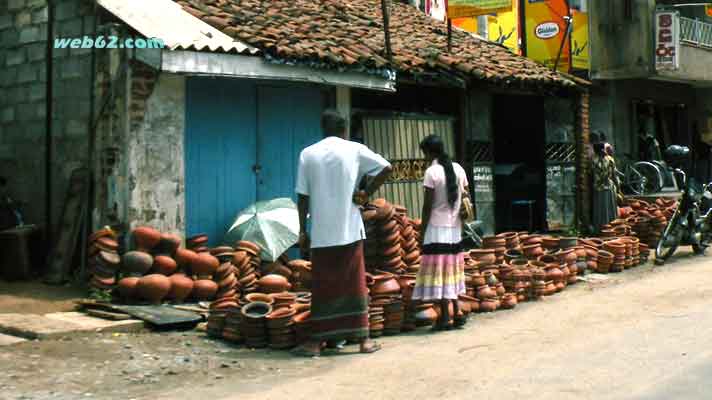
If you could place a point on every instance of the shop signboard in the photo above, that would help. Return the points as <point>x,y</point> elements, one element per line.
<point>579,40</point>
<point>473,8</point>
<point>546,30</point>
<point>667,41</point>
<point>503,28</point>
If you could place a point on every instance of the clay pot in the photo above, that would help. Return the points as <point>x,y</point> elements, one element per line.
<point>169,243</point>
<point>273,283</point>
<point>532,240</point>
<point>181,287</point>
<point>512,254</point>
<point>500,289</point>
<point>164,265</point>
<point>204,264</point>
<point>533,250</point>
<point>488,305</point>
<point>385,284</point>
<point>146,238</point>
<point>153,287</point>
<point>265,298</point>
<point>553,273</point>
<point>425,314</point>
<point>136,263</point>
<point>550,242</point>
<point>484,292</point>
<point>550,288</point>
<point>490,278</point>
<point>478,279</point>
<point>184,257</point>
<point>509,301</point>
<point>204,289</point>
<point>568,242</point>
<point>484,256</point>
<point>491,242</point>
<point>127,287</point>
<point>256,310</point>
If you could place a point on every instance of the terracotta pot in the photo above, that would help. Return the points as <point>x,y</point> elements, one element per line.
<point>164,265</point>
<point>478,279</point>
<point>127,287</point>
<point>204,289</point>
<point>560,286</point>
<point>491,242</point>
<point>485,291</point>
<point>533,250</point>
<point>490,278</point>
<point>385,284</point>
<point>263,297</point>
<point>553,273</point>
<point>484,256</point>
<point>146,238</point>
<point>500,289</point>
<point>509,301</point>
<point>488,305</point>
<point>153,287</point>
<point>204,264</point>
<point>533,239</point>
<point>512,254</point>
<point>169,243</point>
<point>521,263</point>
<point>550,288</point>
<point>550,242</point>
<point>425,313</point>
<point>273,284</point>
<point>568,242</point>
<point>136,263</point>
<point>184,257</point>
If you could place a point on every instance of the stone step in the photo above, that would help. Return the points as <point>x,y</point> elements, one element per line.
<point>56,325</point>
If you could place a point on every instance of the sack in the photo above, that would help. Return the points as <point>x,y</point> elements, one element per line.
<point>467,212</point>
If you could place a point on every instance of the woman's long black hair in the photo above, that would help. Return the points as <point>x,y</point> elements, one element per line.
<point>434,145</point>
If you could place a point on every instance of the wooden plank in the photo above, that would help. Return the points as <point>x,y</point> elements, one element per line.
<point>107,315</point>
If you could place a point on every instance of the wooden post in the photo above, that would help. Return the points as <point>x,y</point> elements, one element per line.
<point>386,23</point>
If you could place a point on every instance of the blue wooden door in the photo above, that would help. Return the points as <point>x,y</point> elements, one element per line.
<point>220,152</point>
<point>288,120</point>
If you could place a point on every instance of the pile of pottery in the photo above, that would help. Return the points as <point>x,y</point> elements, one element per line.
<point>253,325</point>
<point>198,243</point>
<point>498,245</point>
<point>407,284</point>
<point>383,247</point>
<point>591,247</point>
<point>410,235</point>
<point>648,219</point>
<point>103,259</point>
<point>386,312</point>
<point>246,260</point>
<point>277,267</point>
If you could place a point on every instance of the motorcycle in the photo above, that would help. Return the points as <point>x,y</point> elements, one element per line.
<point>689,225</point>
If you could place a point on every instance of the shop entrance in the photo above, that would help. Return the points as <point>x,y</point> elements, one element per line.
<point>519,174</point>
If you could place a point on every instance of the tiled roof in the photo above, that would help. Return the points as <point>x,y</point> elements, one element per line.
<point>348,34</point>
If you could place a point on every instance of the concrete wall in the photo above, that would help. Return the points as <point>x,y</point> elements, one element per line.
<point>695,65</point>
<point>23,105</point>
<point>155,158</point>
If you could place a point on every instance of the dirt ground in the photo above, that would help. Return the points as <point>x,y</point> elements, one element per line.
<point>37,298</point>
<point>642,334</point>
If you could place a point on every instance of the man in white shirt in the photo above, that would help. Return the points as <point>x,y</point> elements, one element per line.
<point>328,175</point>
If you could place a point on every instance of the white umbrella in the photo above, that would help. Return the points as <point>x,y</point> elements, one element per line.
<point>273,224</point>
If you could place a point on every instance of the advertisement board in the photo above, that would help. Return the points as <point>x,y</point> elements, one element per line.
<point>503,28</point>
<point>545,31</point>
<point>579,41</point>
<point>468,24</point>
<point>473,8</point>
<point>667,40</point>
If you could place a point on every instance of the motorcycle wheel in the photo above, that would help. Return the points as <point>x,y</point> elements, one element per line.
<point>669,241</point>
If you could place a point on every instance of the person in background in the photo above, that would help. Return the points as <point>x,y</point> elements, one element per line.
<point>327,178</point>
<point>604,187</point>
<point>441,277</point>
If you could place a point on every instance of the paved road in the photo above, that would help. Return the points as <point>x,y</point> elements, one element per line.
<point>644,334</point>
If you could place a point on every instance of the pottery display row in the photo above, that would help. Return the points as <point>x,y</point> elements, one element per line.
<point>386,248</point>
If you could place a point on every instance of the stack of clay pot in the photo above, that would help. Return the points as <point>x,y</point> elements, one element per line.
<point>410,236</point>
<point>618,250</point>
<point>204,267</point>
<point>520,281</point>
<point>498,244</point>
<point>385,304</point>
<point>104,259</point>
<point>407,284</point>
<point>247,261</point>
<point>556,273</point>
<point>591,247</point>
<point>146,269</point>
<point>280,328</point>
<point>383,248</point>
<point>273,283</point>
<point>231,325</point>
<point>278,267</point>
<point>253,326</point>
<point>511,240</point>
<point>301,276</point>
<point>302,329</point>
<point>198,243</point>
<point>540,285</point>
<point>488,297</point>
<point>424,314</point>
<point>550,244</point>
<point>532,247</point>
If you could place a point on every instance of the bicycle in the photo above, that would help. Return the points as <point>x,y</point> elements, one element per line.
<point>640,178</point>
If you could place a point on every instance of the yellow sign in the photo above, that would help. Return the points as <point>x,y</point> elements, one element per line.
<point>503,28</point>
<point>545,31</point>
<point>473,8</point>
<point>468,24</point>
<point>579,41</point>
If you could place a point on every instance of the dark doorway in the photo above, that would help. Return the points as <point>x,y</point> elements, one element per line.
<point>520,180</point>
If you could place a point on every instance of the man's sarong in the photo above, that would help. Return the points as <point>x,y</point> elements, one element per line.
<point>339,308</point>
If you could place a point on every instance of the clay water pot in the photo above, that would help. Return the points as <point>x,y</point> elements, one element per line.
<point>273,283</point>
<point>136,263</point>
<point>164,265</point>
<point>145,238</point>
<point>533,239</point>
<point>204,289</point>
<point>385,284</point>
<point>488,305</point>
<point>405,280</point>
<point>490,278</point>
<point>464,306</point>
<point>550,242</point>
<point>553,273</point>
<point>265,298</point>
<point>500,289</point>
<point>484,256</point>
<point>425,314</point>
<point>560,286</point>
<point>127,287</point>
<point>509,301</point>
<point>568,242</point>
<point>169,243</point>
<point>512,254</point>
<point>491,242</point>
<point>521,263</point>
<point>549,259</point>
<point>478,279</point>
<point>550,288</point>
<point>533,250</point>
<point>153,287</point>
<point>184,257</point>
<point>204,264</point>
<point>485,291</point>
<point>181,287</point>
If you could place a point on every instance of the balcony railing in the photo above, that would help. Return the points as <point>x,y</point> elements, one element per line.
<point>696,32</point>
